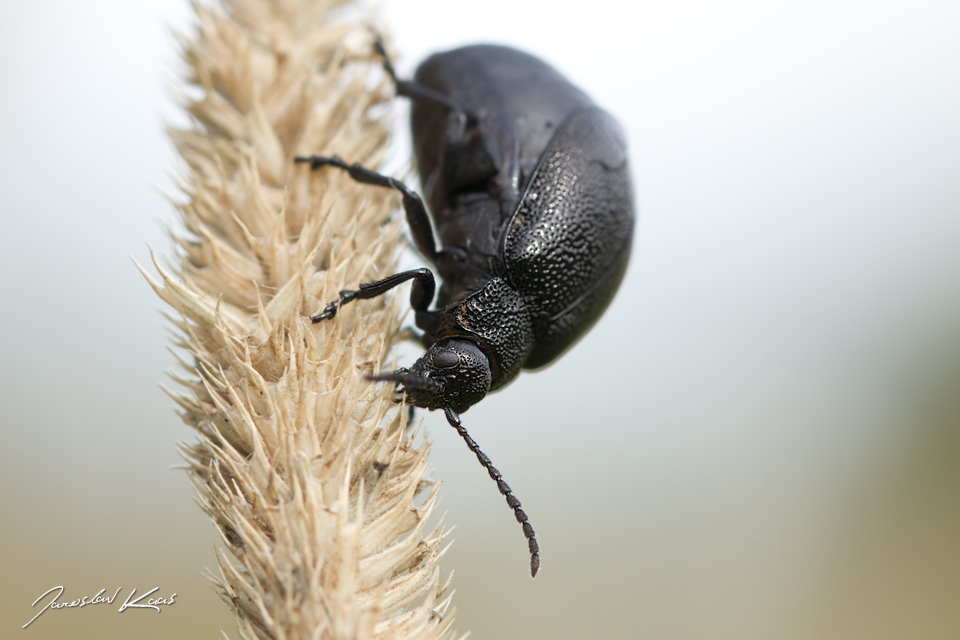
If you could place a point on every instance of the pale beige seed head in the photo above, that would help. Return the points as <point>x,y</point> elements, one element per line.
<point>307,469</point>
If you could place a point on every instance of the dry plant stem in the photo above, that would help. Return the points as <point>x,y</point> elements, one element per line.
<point>307,469</point>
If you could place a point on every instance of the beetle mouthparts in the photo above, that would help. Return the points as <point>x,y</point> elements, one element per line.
<point>410,381</point>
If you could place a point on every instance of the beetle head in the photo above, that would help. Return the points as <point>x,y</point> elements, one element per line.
<point>452,374</point>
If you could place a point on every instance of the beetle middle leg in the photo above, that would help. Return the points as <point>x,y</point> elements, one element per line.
<point>421,293</point>
<point>417,217</point>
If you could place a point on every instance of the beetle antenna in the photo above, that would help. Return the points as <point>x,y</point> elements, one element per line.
<point>504,488</point>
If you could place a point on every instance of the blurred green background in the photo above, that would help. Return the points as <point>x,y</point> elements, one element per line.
<point>761,438</point>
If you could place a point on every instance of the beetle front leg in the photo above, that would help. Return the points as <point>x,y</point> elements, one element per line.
<point>421,293</point>
<point>417,217</point>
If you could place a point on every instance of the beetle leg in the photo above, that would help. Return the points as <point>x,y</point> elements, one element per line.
<point>504,488</point>
<point>415,90</point>
<point>417,217</point>
<point>421,293</point>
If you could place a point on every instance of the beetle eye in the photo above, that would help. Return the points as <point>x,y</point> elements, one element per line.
<point>446,359</point>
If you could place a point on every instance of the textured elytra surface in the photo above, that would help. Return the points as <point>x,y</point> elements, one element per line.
<point>568,244</point>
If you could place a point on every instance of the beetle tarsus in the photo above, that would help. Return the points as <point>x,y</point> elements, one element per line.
<point>330,311</point>
<point>512,501</point>
<point>421,293</point>
<point>382,52</point>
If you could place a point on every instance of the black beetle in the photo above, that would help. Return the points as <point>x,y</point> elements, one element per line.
<point>531,198</point>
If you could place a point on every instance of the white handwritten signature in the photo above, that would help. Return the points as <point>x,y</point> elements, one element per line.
<point>152,603</point>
